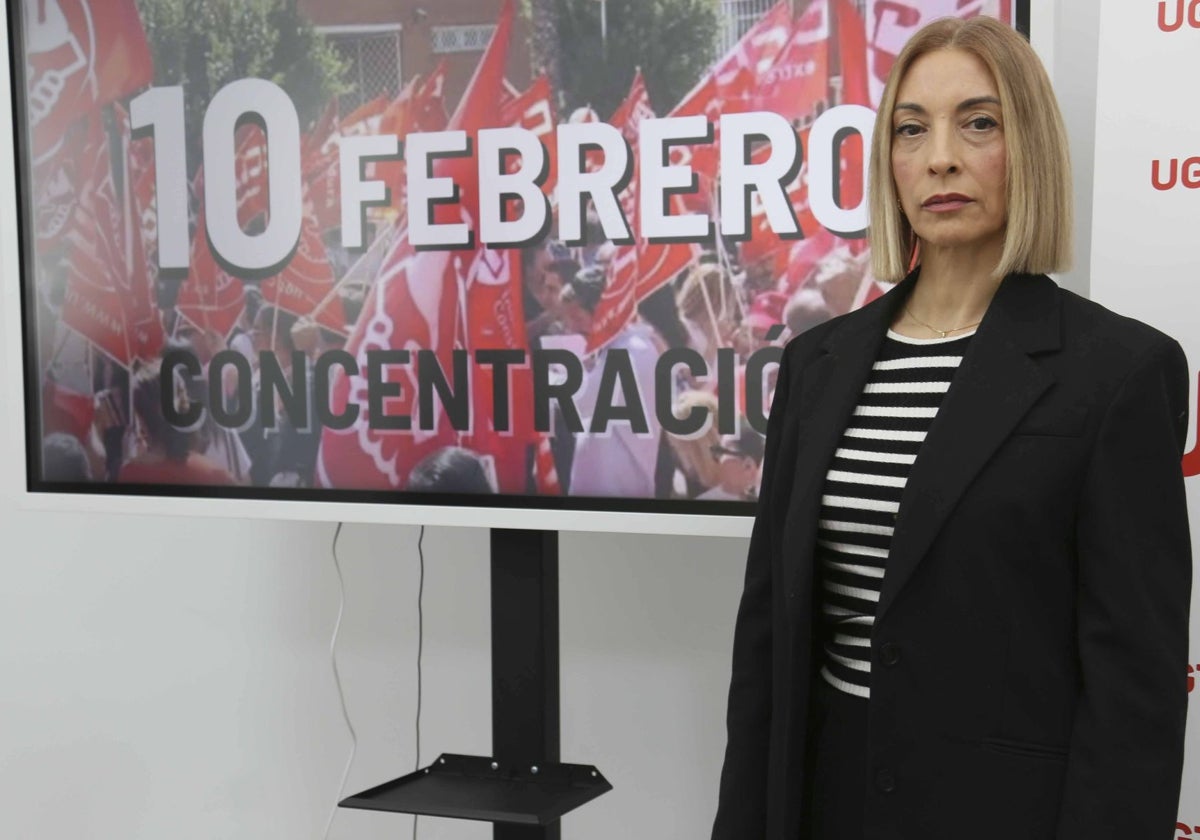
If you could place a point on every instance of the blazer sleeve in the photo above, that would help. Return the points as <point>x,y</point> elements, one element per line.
<point>742,803</point>
<point>1125,761</point>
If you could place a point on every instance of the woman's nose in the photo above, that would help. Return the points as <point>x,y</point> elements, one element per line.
<point>943,151</point>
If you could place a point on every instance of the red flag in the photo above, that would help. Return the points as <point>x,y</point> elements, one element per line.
<point>141,242</point>
<point>545,472</point>
<point>739,73</point>
<point>104,300</point>
<point>803,258</point>
<point>704,159</point>
<point>316,143</point>
<point>420,106</point>
<point>618,303</point>
<point>410,307</point>
<point>533,111</point>
<point>852,54</point>
<point>399,117</point>
<point>365,118</point>
<point>640,269</point>
<point>210,297</point>
<point>319,162</point>
<point>66,410</point>
<point>495,320</point>
<point>797,84</point>
<point>322,194</point>
<point>306,286</point>
<point>250,172</point>
<point>80,55</point>
<point>57,182</point>
<point>414,304</point>
<point>730,87</point>
<point>890,23</point>
<point>430,111</point>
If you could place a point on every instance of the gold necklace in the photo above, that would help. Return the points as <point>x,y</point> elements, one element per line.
<point>941,333</point>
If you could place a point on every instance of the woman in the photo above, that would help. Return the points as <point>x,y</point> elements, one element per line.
<point>966,599</point>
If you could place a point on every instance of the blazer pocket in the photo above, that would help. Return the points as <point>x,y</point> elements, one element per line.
<point>1026,749</point>
<point>1063,422</point>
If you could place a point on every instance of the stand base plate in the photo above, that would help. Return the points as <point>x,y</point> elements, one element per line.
<point>471,787</point>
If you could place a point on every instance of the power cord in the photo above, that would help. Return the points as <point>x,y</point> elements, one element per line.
<point>337,678</point>
<point>420,650</point>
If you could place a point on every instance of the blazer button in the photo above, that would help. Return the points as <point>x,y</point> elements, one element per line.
<point>884,780</point>
<point>889,654</point>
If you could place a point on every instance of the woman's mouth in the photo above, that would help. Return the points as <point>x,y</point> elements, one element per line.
<point>946,203</point>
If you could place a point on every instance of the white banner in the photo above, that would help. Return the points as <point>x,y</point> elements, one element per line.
<point>1146,225</point>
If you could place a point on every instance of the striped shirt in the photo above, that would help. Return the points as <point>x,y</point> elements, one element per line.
<point>861,497</point>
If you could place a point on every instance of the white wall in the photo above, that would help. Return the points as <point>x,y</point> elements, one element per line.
<point>171,677</point>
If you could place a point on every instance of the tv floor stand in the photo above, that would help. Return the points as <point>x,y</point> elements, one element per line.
<point>522,788</point>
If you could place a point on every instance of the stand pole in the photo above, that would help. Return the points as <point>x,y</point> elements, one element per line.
<point>525,699</point>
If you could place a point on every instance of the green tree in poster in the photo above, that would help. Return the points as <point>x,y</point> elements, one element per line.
<point>205,44</point>
<point>672,41</point>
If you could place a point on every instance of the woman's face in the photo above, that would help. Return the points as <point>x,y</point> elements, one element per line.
<point>948,152</point>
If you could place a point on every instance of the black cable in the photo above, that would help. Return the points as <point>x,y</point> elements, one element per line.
<point>337,678</point>
<point>420,647</point>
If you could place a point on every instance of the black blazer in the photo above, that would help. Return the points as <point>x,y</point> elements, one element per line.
<point>1035,606</point>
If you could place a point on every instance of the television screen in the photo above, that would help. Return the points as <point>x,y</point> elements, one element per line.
<point>538,257</point>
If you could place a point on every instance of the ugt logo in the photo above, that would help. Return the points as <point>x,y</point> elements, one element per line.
<point>1192,671</point>
<point>1190,15</point>
<point>1185,173</point>
<point>1185,832</point>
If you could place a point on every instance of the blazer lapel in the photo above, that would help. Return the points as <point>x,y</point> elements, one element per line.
<point>996,384</point>
<point>829,389</point>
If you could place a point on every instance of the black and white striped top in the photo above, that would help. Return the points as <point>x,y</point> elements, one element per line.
<point>862,494</point>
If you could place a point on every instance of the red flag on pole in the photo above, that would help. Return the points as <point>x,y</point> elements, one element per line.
<point>640,269</point>
<point>797,84</point>
<point>739,73</point>
<point>250,172</point>
<point>316,142</point>
<point>533,110</point>
<point>57,183</point>
<point>495,320</point>
<point>852,56</point>
<point>210,298</point>
<point>420,106</point>
<point>141,241</point>
<point>108,298</point>
<point>429,111</point>
<point>306,286</point>
<point>618,303</point>
<point>413,305</point>
<point>764,243</point>
<point>704,159</point>
<point>80,55</point>
<point>730,87</point>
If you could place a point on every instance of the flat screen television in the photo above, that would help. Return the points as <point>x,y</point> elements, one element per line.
<point>331,262</point>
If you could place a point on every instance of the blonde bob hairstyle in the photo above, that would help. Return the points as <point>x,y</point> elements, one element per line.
<point>1039,226</point>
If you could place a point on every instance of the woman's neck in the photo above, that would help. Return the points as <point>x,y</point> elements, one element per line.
<point>952,292</point>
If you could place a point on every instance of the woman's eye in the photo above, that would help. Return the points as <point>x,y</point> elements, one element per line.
<point>982,123</point>
<point>908,129</point>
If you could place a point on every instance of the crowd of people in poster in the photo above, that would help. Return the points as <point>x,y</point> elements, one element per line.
<point>106,316</point>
